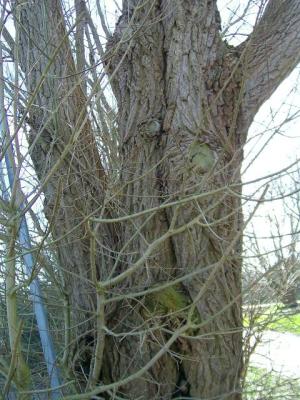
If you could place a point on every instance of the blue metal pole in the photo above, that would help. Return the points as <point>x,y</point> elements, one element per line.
<point>35,289</point>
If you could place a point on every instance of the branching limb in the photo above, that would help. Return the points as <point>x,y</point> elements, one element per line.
<point>272,52</point>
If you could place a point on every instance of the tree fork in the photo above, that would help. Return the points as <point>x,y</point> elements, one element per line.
<point>185,102</point>
<point>175,66</point>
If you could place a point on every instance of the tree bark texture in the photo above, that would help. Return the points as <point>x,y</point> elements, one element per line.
<point>185,100</point>
<point>62,147</point>
<point>176,142</point>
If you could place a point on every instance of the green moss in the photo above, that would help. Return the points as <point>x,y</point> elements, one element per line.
<point>174,303</point>
<point>201,156</point>
<point>165,301</point>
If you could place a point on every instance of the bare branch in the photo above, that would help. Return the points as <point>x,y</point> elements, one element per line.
<point>79,38</point>
<point>103,21</point>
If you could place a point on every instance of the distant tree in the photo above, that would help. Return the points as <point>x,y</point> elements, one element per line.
<point>282,267</point>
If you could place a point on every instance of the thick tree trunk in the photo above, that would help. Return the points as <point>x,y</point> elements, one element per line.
<point>178,139</point>
<point>185,100</point>
<point>63,150</point>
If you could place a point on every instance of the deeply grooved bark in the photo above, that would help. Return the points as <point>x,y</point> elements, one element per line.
<point>63,150</point>
<point>168,66</point>
<point>185,102</point>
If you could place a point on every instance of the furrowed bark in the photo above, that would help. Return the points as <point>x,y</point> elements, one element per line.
<point>62,147</point>
<point>174,131</point>
<point>185,103</point>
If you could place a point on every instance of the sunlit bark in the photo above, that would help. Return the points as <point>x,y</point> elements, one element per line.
<point>185,102</point>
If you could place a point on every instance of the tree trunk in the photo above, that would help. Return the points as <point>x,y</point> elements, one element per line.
<point>185,100</point>
<point>179,139</point>
<point>63,150</point>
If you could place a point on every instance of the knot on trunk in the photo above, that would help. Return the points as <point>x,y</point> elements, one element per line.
<point>150,129</point>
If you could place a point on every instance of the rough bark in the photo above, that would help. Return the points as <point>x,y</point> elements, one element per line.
<point>167,85</point>
<point>185,100</point>
<point>62,146</point>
